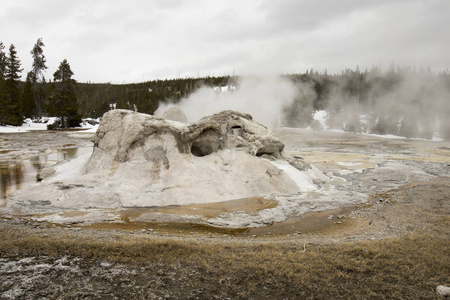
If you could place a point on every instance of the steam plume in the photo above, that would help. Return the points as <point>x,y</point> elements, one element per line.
<point>265,98</point>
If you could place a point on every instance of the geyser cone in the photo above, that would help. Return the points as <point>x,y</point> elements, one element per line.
<point>140,160</point>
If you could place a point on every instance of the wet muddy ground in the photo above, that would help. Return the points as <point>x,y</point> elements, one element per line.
<point>23,155</point>
<point>364,167</point>
<point>404,185</point>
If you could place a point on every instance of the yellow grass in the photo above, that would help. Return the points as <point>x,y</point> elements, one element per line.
<point>408,267</point>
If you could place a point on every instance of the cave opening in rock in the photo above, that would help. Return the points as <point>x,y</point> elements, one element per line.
<point>206,143</point>
<point>261,153</point>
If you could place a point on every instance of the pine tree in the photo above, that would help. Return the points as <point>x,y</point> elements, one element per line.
<point>27,97</point>
<point>37,76</point>
<point>2,61</point>
<point>2,83</point>
<point>12,114</point>
<point>63,99</point>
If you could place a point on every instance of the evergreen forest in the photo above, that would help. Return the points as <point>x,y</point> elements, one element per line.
<point>401,100</point>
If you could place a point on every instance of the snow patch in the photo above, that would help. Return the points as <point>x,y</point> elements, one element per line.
<point>29,125</point>
<point>321,116</point>
<point>224,89</point>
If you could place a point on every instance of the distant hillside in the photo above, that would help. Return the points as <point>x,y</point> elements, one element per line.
<point>97,98</point>
<point>400,101</point>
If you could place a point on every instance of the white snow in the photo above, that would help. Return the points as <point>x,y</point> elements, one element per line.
<point>91,129</point>
<point>224,89</point>
<point>337,130</point>
<point>321,116</point>
<point>29,125</point>
<point>385,136</point>
<point>437,139</point>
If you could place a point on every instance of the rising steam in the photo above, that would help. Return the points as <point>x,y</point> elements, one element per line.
<point>400,102</point>
<point>267,99</point>
<point>404,102</point>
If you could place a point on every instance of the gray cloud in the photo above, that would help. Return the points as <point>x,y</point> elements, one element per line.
<point>138,40</point>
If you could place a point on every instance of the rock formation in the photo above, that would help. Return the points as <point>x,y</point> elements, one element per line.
<point>142,160</point>
<point>175,113</point>
<point>125,136</point>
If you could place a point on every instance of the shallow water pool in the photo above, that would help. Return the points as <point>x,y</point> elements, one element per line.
<point>18,172</point>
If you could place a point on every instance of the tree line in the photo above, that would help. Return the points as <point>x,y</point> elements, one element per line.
<point>35,97</point>
<point>95,99</point>
<point>401,100</point>
<point>70,100</point>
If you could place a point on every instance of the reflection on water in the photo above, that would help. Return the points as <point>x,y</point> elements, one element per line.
<point>15,173</point>
<point>51,157</point>
<point>10,175</point>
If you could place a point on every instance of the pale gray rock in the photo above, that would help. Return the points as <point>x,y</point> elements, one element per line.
<point>443,290</point>
<point>142,160</point>
<point>175,113</point>
<point>123,135</point>
<point>44,173</point>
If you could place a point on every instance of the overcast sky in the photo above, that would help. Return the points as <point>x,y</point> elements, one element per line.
<point>137,40</point>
